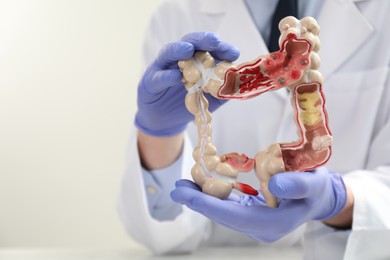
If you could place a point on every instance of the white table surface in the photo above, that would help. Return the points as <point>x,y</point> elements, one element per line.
<point>225,253</point>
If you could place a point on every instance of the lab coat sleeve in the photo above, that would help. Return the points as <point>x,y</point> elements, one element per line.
<point>183,234</point>
<point>371,189</point>
<point>158,185</point>
<point>371,217</point>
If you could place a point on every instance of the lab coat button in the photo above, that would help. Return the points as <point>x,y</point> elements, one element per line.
<point>151,189</point>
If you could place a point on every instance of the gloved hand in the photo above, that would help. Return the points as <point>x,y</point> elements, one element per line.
<point>303,196</point>
<point>161,108</point>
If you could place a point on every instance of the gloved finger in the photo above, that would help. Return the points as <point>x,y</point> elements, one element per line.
<point>243,200</point>
<point>206,205</point>
<point>239,217</point>
<point>205,41</point>
<point>249,200</point>
<point>185,195</point>
<point>221,211</point>
<point>208,41</point>
<point>192,185</point>
<point>158,81</point>
<point>173,52</point>
<point>226,51</point>
<point>267,237</point>
<point>187,183</point>
<point>298,185</point>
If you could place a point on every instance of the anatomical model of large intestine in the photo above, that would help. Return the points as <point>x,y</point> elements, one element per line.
<point>294,66</point>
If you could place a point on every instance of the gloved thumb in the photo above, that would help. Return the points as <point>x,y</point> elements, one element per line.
<point>298,185</point>
<point>185,192</point>
<point>182,195</point>
<point>191,197</point>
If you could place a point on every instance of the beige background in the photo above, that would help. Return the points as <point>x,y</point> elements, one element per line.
<point>68,76</point>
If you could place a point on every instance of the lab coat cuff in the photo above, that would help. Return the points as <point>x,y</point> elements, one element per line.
<point>370,190</point>
<point>158,185</point>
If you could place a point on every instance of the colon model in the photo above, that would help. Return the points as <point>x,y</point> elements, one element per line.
<point>294,66</point>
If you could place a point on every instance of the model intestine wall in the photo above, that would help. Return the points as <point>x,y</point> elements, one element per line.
<point>294,66</point>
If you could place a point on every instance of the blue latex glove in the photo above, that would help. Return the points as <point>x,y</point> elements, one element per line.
<point>303,196</point>
<point>161,108</point>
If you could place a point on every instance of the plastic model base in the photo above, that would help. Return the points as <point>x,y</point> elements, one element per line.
<point>294,66</point>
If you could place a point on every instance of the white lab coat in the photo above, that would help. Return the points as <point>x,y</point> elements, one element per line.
<point>355,54</point>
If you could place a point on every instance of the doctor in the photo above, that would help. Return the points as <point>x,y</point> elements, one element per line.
<point>342,210</point>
